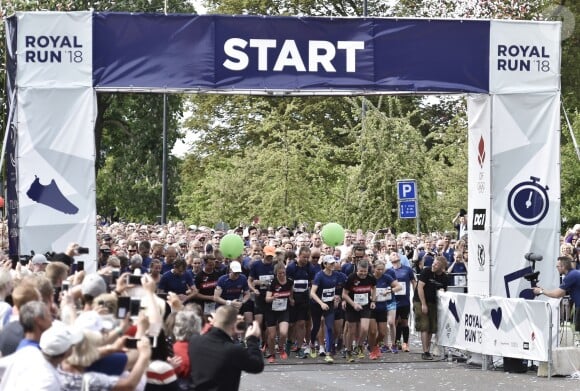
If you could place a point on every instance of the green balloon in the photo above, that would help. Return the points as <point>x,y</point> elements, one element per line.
<point>231,246</point>
<point>332,234</point>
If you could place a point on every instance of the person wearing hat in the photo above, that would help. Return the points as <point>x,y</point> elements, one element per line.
<point>38,263</point>
<point>52,346</point>
<point>261,275</point>
<point>325,294</point>
<point>232,288</point>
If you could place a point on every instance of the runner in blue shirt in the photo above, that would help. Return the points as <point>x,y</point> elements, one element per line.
<point>324,293</point>
<point>232,288</point>
<point>406,278</point>
<point>384,312</point>
<point>178,282</point>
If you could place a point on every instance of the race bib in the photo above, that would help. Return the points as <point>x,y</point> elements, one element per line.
<point>384,294</point>
<point>300,286</point>
<point>361,298</point>
<point>328,295</point>
<point>280,304</point>
<point>403,291</point>
<point>208,307</point>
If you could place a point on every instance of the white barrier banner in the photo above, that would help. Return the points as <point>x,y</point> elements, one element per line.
<point>495,326</point>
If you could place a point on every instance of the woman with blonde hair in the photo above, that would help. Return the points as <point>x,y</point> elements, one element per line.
<point>73,376</point>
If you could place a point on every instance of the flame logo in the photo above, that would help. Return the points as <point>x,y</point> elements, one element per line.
<point>481,152</point>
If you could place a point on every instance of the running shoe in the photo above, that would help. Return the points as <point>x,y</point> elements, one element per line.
<point>384,349</point>
<point>394,349</point>
<point>328,359</point>
<point>271,359</point>
<point>344,353</point>
<point>313,353</point>
<point>294,348</point>
<point>306,350</point>
<point>374,354</point>
<point>349,357</point>
<point>427,356</point>
<point>301,354</point>
<point>405,347</point>
<point>51,196</point>
<point>283,355</point>
<point>361,352</point>
<point>321,351</point>
<point>399,346</point>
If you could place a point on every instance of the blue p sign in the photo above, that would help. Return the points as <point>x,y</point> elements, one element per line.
<point>406,190</point>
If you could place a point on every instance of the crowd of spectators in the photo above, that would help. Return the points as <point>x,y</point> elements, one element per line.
<point>127,326</point>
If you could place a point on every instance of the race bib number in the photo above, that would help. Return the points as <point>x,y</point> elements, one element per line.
<point>328,295</point>
<point>300,286</point>
<point>208,307</point>
<point>384,294</point>
<point>403,291</point>
<point>361,298</point>
<point>280,304</point>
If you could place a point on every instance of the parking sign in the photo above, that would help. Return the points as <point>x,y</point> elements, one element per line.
<point>406,189</point>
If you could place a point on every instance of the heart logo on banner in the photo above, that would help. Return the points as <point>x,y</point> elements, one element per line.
<point>496,317</point>
<point>453,310</point>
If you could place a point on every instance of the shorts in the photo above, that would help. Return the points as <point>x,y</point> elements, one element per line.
<point>300,311</point>
<point>272,318</point>
<point>403,312</point>
<point>248,306</point>
<point>338,313</point>
<point>379,316</point>
<point>260,305</point>
<point>392,306</point>
<point>353,316</point>
<point>428,322</point>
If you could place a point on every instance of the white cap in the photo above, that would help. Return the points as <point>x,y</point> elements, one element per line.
<point>59,338</point>
<point>39,259</point>
<point>328,259</point>
<point>235,267</point>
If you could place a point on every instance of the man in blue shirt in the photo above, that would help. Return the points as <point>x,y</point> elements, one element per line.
<point>232,288</point>
<point>177,281</point>
<point>570,284</point>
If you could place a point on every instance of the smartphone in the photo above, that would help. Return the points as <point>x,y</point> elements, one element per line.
<point>133,279</point>
<point>80,266</point>
<point>131,343</point>
<point>65,285</point>
<point>115,275</point>
<point>123,306</point>
<point>135,307</point>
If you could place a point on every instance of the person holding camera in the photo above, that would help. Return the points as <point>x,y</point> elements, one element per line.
<point>570,284</point>
<point>216,361</point>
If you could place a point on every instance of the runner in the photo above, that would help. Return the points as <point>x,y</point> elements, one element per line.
<point>360,296</point>
<point>323,293</point>
<point>385,311</point>
<point>407,280</point>
<point>280,299</point>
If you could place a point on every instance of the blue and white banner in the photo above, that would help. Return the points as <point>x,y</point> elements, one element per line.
<point>496,326</point>
<point>54,150</point>
<point>63,58</point>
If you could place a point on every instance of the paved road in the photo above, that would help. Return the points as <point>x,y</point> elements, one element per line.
<point>403,371</point>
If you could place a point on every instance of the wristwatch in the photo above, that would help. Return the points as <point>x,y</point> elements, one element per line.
<point>228,302</point>
<point>542,291</point>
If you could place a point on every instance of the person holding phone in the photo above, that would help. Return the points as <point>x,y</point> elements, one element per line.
<point>219,361</point>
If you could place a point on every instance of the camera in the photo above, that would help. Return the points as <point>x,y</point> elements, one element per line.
<point>241,326</point>
<point>532,277</point>
<point>82,250</point>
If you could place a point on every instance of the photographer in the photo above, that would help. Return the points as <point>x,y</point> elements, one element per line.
<point>216,361</point>
<point>570,284</point>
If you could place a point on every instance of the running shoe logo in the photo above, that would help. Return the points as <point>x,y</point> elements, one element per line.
<point>51,196</point>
